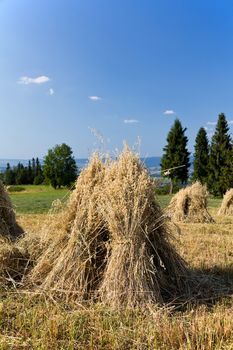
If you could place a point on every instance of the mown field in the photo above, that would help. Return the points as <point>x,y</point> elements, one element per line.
<point>40,322</point>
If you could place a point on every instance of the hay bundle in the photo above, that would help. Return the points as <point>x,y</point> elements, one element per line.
<point>74,260</point>
<point>227,204</point>
<point>13,263</point>
<point>143,266</point>
<point>8,225</point>
<point>190,205</point>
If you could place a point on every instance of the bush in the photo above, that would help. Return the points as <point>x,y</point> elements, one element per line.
<point>39,179</point>
<point>15,188</point>
<point>163,189</point>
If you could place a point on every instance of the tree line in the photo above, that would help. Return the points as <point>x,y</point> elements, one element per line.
<point>58,169</point>
<point>213,161</point>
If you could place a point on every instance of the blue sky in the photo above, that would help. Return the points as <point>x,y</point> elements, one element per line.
<point>117,66</point>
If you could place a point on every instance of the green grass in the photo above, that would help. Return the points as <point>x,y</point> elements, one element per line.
<point>36,199</point>
<point>165,199</point>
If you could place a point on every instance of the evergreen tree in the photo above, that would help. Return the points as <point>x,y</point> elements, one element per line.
<point>39,177</point>
<point>21,175</point>
<point>38,169</point>
<point>220,162</point>
<point>176,155</point>
<point>34,167</point>
<point>201,157</point>
<point>9,175</point>
<point>30,176</point>
<point>59,166</point>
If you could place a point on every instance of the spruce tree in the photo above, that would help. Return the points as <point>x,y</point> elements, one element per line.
<point>34,167</point>
<point>9,175</point>
<point>176,155</point>
<point>30,177</point>
<point>201,157</point>
<point>220,161</point>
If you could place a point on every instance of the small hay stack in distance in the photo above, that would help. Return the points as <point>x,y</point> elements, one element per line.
<point>227,204</point>
<point>190,205</point>
<point>143,267</point>
<point>8,225</point>
<point>74,261</point>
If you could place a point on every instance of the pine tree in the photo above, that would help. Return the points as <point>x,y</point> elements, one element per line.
<point>176,155</point>
<point>220,162</point>
<point>39,177</point>
<point>201,157</point>
<point>30,177</point>
<point>9,175</point>
<point>34,167</point>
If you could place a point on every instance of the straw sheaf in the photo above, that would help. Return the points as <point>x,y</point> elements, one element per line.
<point>141,256</point>
<point>8,225</point>
<point>227,204</point>
<point>110,242</point>
<point>74,260</point>
<point>190,205</point>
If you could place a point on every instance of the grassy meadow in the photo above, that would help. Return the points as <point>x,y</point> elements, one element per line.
<point>29,321</point>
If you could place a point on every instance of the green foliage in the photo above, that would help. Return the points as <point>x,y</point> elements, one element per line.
<point>24,175</point>
<point>165,189</point>
<point>9,175</point>
<point>201,157</point>
<point>59,166</point>
<point>14,188</point>
<point>38,180</point>
<point>220,161</point>
<point>176,154</point>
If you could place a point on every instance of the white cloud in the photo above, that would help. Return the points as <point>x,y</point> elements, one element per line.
<point>211,123</point>
<point>131,121</point>
<point>51,92</point>
<point>210,134</point>
<point>230,122</point>
<point>169,112</point>
<point>208,129</point>
<point>95,98</point>
<point>38,80</point>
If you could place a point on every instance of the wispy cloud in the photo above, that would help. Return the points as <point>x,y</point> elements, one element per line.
<point>208,129</point>
<point>51,92</point>
<point>169,112</point>
<point>38,80</point>
<point>230,122</point>
<point>95,98</point>
<point>131,121</point>
<point>211,123</point>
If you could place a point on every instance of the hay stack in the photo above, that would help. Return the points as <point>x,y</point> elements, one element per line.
<point>13,263</point>
<point>8,225</point>
<point>74,260</point>
<point>111,242</point>
<point>190,205</point>
<point>227,204</point>
<point>143,266</point>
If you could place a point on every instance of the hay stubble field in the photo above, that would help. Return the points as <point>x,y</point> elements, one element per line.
<point>29,322</point>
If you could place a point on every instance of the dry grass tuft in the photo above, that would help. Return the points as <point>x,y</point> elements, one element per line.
<point>142,266</point>
<point>190,205</point>
<point>8,225</point>
<point>74,259</point>
<point>13,263</point>
<point>227,204</point>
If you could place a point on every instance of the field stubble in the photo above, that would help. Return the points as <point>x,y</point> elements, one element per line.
<point>29,322</point>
